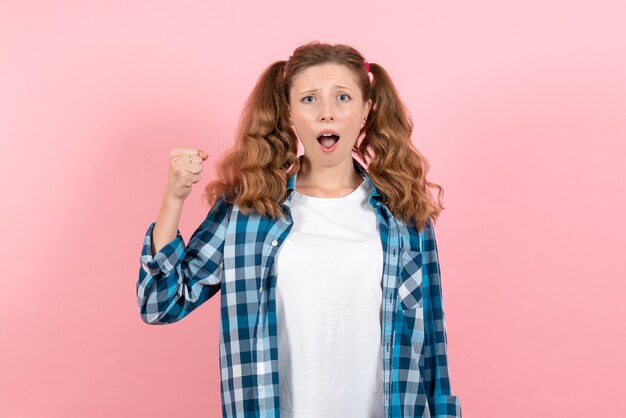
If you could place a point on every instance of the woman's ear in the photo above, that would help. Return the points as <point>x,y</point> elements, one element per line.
<point>366,110</point>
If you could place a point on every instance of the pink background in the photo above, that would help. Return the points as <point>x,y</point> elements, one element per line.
<point>518,107</point>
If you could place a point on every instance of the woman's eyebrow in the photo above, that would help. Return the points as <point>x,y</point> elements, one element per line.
<point>336,85</point>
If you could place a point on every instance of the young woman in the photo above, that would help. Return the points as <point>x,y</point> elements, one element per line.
<point>331,299</point>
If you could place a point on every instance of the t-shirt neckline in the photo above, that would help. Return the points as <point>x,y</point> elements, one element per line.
<point>354,195</point>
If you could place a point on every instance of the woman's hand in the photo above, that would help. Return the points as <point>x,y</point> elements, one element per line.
<point>184,170</point>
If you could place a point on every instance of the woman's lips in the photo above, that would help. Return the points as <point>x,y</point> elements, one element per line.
<point>328,144</point>
<point>328,141</point>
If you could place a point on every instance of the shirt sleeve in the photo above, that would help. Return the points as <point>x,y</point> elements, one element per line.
<point>179,277</point>
<point>442,403</point>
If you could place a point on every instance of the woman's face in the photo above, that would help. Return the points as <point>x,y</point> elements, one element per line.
<point>327,97</point>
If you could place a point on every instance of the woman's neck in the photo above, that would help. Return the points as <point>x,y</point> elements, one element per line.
<point>328,181</point>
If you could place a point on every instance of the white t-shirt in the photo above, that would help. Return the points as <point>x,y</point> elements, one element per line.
<point>329,309</point>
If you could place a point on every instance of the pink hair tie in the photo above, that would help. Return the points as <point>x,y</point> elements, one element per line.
<point>369,73</point>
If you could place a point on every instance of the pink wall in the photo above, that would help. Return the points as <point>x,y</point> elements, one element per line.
<point>519,108</point>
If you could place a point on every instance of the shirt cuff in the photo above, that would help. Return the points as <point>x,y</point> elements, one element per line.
<point>164,260</point>
<point>445,406</point>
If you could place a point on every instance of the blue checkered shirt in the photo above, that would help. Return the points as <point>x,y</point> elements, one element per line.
<point>235,253</point>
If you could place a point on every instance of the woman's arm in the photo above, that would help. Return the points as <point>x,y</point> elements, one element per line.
<point>442,402</point>
<point>166,228</point>
<point>177,279</point>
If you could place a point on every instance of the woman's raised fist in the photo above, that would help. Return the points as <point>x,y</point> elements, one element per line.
<point>184,170</point>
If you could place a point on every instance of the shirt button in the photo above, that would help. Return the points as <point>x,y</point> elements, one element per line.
<point>274,243</point>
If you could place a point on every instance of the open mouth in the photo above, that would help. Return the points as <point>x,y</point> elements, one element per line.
<point>328,141</point>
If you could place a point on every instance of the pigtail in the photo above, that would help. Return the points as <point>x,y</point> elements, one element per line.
<point>252,174</point>
<point>396,166</point>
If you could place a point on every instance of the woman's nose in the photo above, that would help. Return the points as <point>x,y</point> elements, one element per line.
<point>327,111</point>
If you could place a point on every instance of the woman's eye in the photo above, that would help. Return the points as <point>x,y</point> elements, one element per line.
<point>304,99</point>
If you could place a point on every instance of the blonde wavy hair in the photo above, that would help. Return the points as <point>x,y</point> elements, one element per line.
<point>253,173</point>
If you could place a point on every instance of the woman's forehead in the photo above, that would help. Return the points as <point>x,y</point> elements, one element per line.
<point>320,75</point>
